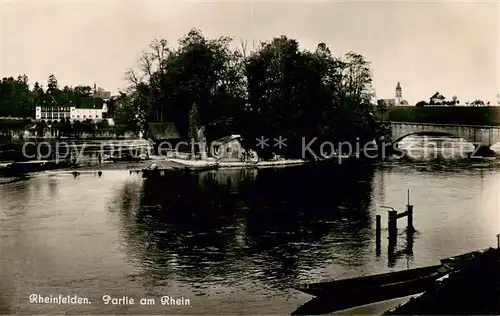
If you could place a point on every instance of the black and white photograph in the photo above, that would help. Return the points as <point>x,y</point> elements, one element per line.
<point>249,157</point>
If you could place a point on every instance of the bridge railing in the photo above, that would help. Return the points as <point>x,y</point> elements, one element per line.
<point>439,124</point>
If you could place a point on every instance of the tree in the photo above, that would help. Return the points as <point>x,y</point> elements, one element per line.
<point>55,128</point>
<point>113,104</point>
<point>382,108</point>
<point>126,116</point>
<point>102,124</point>
<point>37,94</point>
<point>77,128</point>
<point>194,122</point>
<point>421,104</point>
<point>83,91</point>
<point>281,86</point>
<point>15,97</point>
<point>202,71</point>
<point>52,84</point>
<point>64,127</point>
<point>89,127</point>
<point>275,90</point>
<point>40,127</point>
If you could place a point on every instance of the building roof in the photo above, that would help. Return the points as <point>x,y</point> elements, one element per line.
<point>437,95</point>
<point>162,131</point>
<point>398,86</point>
<point>67,106</point>
<point>226,139</point>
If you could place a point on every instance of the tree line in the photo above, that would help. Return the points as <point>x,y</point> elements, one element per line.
<point>275,89</point>
<point>17,99</point>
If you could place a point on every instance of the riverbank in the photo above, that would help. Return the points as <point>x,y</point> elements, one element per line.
<point>207,163</point>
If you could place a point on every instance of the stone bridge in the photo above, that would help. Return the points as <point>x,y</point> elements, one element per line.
<point>480,136</point>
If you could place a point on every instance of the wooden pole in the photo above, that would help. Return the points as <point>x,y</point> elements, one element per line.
<point>409,209</point>
<point>409,212</point>
<point>393,225</point>
<point>498,241</point>
<point>378,233</point>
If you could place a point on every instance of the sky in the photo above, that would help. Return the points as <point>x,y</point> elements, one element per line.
<point>448,46</point>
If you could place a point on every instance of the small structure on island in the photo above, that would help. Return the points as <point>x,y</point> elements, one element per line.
<point>165,137</point>
<point>228,148</point>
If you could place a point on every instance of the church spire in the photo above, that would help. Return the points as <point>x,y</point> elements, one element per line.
<point>399,94</point>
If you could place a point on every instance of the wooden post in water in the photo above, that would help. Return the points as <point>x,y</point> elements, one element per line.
<point>392,225</point>
<point>409,214</point>
<point>378,233</point>
<point>393,237</point>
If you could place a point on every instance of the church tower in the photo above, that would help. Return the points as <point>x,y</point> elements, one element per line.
<point>399,95</point>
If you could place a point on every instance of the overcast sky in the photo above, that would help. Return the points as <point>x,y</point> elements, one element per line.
<point>453,47</point>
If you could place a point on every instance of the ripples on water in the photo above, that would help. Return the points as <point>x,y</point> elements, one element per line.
<point>232,241</point>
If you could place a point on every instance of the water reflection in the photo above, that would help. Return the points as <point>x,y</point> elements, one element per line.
<point>235,241</point>
<point>395,252</point>
<point>52,186</point>
<point>17,193</point>
<point>213,225</point>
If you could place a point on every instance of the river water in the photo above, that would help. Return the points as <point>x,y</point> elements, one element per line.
<point>230,241</point>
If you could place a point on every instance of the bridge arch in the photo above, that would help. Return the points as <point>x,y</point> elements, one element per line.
<point>426,134</point>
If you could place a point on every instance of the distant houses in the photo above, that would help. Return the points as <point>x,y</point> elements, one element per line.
<point>436,99</point>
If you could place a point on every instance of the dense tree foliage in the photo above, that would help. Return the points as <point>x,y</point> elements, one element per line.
<point>18,100</point>
<point>275,90</point>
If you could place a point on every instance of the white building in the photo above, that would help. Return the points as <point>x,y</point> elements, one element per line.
<point>72,113</point>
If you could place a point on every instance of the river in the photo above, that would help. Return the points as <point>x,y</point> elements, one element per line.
<point>229,241</point>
